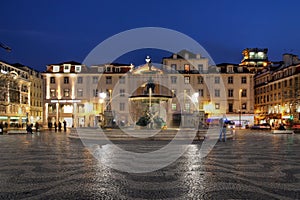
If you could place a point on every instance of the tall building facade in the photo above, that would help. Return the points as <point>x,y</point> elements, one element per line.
<point>15,98</point>
<point>277,92</point>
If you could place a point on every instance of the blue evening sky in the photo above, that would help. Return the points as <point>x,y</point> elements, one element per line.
<point>42,32</point>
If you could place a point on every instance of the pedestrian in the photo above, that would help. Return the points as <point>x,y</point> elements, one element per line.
<point>222,130</point>
<point>59,126</point>
<point>29,128</point>
<point>65,125</point>
<point>37,126</point>
<point>55,126</point>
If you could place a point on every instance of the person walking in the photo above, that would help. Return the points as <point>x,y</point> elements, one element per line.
<point>222,130</point>
<point>65,125</point>
<point>55,126</point>
<point>59,126</point>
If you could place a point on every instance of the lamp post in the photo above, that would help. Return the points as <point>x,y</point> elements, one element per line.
<point>102,96</point>
<point>240,108</point>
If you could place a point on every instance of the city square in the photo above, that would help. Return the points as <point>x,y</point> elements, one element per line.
<point>253,164</point>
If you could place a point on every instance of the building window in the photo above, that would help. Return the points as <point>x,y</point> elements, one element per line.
<point>67,68</point>
<point>80,80</point>
<point>52,92</point>
<point>95,92</point>
<point>122,92</point>
<point>95,79</point>
<point>244,106</point>
<point>108,80</point>
<point>66,80</point>
<point>217,106</point>
<point>230,80</point>
<point>79,92</point>
<point>217,80</point>
<point>200,79</point>
<point>122,106</point>
<point>52,80</point>
<point>55,68</point>
<point>201,92</point>
<point>230,92</point>
<point>187,67</point>
<point>187,107</point>
<point>173,93</point>
<point>173,67</point>
<point>217,93</point>
<point>186,79</point>
<point>77,68</point>
<point>244,80</point>
<point>66,92</point>
<point>100,69</point>
<point>173,79</point>
<point>122,79</point>
<point>229,69</point>
<point>230,107</point>
<point>174,106</point>
<point>200,68</point>
<point>108,69</point>
<point>118,69</point>
<point>244,93</point>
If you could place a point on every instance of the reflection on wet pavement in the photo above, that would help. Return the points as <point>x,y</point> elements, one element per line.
<point>255,165</point>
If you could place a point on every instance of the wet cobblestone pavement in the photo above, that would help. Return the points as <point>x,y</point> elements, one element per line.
<point>255,165</point>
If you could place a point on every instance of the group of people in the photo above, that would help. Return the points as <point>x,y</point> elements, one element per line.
<point>58,126</point>
<point>29,127</point>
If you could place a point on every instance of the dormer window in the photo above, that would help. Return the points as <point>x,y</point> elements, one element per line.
<point>108,69</point>
<point>229,69</point>
<point>100,69</point>
<point>55,68</point>
<point>67,67</point>
<point>240,69</point>
<point>77,68</point>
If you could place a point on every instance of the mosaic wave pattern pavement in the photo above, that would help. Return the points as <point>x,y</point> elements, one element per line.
<point>254,165</point>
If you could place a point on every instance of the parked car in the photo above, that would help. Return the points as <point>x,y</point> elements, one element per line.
<point>296,127</point>
<point>264,126</point>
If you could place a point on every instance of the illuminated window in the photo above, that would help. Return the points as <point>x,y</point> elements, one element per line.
<point>244,106</point>
<point>67,109</point>
<point>55,68</point>
<point>174,106</point>
<point>217,106</point>
<point>66,92</point>
<point>187,107</point>
<point>52,92</point>
<point>52,80</point>
<point>186,79</point>
<point>174,93</point>
<point>187,67</point>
